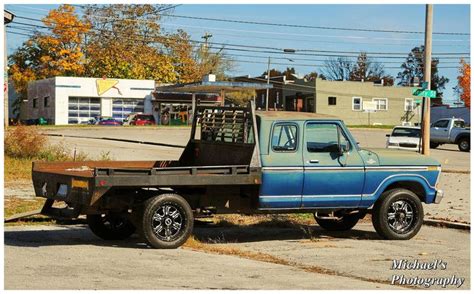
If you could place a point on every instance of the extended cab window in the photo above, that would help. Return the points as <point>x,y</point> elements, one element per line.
<point>284,137</point>
<point>323,137</point>
<point>441,124</point>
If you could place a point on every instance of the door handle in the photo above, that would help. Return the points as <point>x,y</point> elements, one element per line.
<point>314,161</point>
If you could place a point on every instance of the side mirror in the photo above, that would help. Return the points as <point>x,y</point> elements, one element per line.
<point>344,148</point>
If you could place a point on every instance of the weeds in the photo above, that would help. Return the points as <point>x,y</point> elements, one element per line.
<point>24,142</point>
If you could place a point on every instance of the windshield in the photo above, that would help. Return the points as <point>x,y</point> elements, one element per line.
<point>406,132</point>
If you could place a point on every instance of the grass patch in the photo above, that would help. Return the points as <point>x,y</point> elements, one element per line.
<point>17,168</point>
<point>24,144</point>
<point>265,220</point>
<point>14,206</point>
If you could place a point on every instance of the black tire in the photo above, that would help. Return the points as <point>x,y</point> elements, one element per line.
<point>464,144</point>
<point>399,204</point>
<point>167,221</point>
<point>110,226</point>
<point>433,145</point>
<point>345,223</point>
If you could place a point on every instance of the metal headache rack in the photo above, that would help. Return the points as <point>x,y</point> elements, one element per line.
<point>224,124</point>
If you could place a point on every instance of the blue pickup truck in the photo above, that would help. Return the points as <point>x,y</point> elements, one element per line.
<point>241,161</point>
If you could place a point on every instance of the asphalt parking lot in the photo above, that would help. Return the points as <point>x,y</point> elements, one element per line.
<point>448,155</point>
<point>71,257</point>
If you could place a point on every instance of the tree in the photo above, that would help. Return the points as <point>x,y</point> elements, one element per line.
<point>314,75</point>
<point>464,83</point>
<point>367,69</point>
<point>126,42</point>
<point>52,53</point>
<point>337,69</point>
<point>414,67</point>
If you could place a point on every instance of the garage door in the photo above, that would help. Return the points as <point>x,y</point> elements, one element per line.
<point>81,109</point>
<point>123,107</point>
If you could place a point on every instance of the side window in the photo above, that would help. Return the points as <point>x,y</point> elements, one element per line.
<point>323,138</point>
<point>284,137</point>
<point>332,100</point>
<point>459,124</point>
<point>441,124</point>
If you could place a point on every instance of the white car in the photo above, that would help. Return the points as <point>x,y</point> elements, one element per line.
<point>406,138</point>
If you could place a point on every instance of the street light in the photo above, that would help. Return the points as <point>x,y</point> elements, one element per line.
<point>286,50</point>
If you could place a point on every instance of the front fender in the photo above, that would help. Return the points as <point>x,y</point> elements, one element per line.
<point>369,198</point>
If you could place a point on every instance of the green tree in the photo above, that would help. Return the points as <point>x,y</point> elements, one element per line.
<point>414,67</point>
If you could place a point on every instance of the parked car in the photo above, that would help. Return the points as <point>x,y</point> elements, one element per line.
<point>405,138</point>
<point>129,118</point>
<point>450,131</point>
<point>142,120</point>
<point>281,162</point>
<point>109,122</point>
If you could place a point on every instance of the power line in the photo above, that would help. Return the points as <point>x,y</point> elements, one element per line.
<point>312,27</point>
<point>334,53</point>
<point>271,32</point>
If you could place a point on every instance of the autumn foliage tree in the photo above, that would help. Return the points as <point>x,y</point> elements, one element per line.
<point>58,51</point>
<point>464,83</point>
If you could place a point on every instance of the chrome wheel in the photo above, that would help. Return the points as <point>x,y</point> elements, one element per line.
<point>168,222</point>
<point>401,216</point>
<point>464,145</point>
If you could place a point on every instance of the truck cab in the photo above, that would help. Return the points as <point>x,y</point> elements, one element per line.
<point>312,162</point>
<point>450,131</point>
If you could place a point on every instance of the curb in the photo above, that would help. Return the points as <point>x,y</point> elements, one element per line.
<point>455,171</point>
<point>447,224</point>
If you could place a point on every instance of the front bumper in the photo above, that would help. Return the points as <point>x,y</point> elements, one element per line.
<point>439,196</point>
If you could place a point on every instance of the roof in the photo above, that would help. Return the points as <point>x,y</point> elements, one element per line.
<point>294,115</point>
<point>213,87</point>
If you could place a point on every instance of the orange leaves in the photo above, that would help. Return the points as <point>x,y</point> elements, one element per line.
<point>464,83</point>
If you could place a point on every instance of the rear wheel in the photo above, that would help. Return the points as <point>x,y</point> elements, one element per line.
<point>433,145</point>
<point>167,221</point>
<point>110,226</point>
<point>464,144</point>
<point>343,223</point>
<point>398,214</point>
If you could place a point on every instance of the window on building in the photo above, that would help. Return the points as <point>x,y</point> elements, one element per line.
<point>35,103</point>
<point>46,101</point>
<point>382,103</point>
<point>331,100</point>
<point>356,103</point>
<point>284,137</point>
<point>409,104</point>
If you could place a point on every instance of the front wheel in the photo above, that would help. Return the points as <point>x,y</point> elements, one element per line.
<point>343,223</point>
<point>464,144</point>
<point>167,221</point>
<point>433,145</point>
<point>110,226</point>
<point>398,215</point>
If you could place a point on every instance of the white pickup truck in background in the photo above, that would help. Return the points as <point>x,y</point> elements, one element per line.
<point>450,131</point>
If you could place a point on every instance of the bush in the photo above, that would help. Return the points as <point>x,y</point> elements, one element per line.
<point>24,142</point>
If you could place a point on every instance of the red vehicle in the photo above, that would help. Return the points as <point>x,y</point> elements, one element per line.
<point>142,120</point>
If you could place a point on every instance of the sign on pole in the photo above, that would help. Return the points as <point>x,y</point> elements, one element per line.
<point>369,106</point>
<point>424,93</point>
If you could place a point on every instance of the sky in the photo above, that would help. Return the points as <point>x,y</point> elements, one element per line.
<point>446,18</point>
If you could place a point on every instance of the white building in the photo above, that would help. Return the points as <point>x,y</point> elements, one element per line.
<point>73,100</point>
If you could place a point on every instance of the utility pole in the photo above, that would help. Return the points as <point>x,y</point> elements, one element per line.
<point>268,84</point>
<point>7,18</point>
<point>427,78</point>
